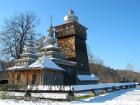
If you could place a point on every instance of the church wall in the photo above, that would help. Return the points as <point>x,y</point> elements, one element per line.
<point>69,77</point>
<point>53,77</point>
<point>24,77</point>
<point>35,77</point>
<point>81,56</point>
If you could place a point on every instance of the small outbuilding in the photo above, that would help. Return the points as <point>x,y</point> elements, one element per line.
<point>87,79</point>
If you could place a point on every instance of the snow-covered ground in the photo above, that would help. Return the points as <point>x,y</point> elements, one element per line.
<point>122,97</point>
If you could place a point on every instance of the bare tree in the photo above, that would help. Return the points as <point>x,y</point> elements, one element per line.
<point>93,59</point>
<point>129,67</point>
<point>16,32</point>
<point>90,55</point>
<point>39,43</point>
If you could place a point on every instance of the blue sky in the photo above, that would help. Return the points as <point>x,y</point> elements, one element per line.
<point>113,25</point>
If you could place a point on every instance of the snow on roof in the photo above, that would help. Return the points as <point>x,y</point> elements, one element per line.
<point>87,77</point>
<point>17,67</point>
<point>100,86</point>
<point>62,61</point>
<point>27,54</point>
<point>50,47</point>
<point>45,62</point>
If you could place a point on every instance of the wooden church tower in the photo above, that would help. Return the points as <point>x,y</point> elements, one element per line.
<point>71,38</point>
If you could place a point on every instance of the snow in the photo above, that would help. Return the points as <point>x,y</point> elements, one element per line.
<point>121,97</point>
<point>51,46</point>
<point>70,62</point>
<point>42,62</point>
<point>87,77</point>
<point>51,87</point>
<point>27,53</point>
<point>17,67</point>
<point>41,95</point>
<point>50,95</point>
<point>45,62</point>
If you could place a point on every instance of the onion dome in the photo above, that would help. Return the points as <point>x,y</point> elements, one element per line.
<point>50,41</point>
<point>50,48</point>
<point>70,17</point>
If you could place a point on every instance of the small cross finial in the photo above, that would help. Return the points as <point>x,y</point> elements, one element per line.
<point>51,20</point>
<point>71,11</point>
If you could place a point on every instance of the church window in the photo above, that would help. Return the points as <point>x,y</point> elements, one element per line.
<point>33,79</point>
<point>18,77</point>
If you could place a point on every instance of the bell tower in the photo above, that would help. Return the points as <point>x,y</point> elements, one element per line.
<point>71,38</point>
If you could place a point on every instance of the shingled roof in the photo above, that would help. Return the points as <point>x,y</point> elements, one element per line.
<point>45,62</point>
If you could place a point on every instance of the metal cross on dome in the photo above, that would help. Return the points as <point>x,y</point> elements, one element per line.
<point>50,30</point>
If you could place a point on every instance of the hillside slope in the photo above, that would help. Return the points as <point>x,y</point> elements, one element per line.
<point>107,74</point>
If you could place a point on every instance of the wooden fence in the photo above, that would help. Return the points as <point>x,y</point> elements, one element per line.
<point>70,90</point>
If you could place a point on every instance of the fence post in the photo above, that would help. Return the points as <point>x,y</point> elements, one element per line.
<point>106,90</point>
<point>70,95</point>
<point>114,88</point>
<point>28,93</point>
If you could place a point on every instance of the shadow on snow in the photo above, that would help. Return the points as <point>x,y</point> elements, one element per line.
<point>107,97</point>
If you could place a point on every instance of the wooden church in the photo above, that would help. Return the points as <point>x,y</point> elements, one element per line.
<point>62,61</point>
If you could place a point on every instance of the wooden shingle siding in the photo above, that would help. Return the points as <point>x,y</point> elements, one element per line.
<point>67,45</point>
